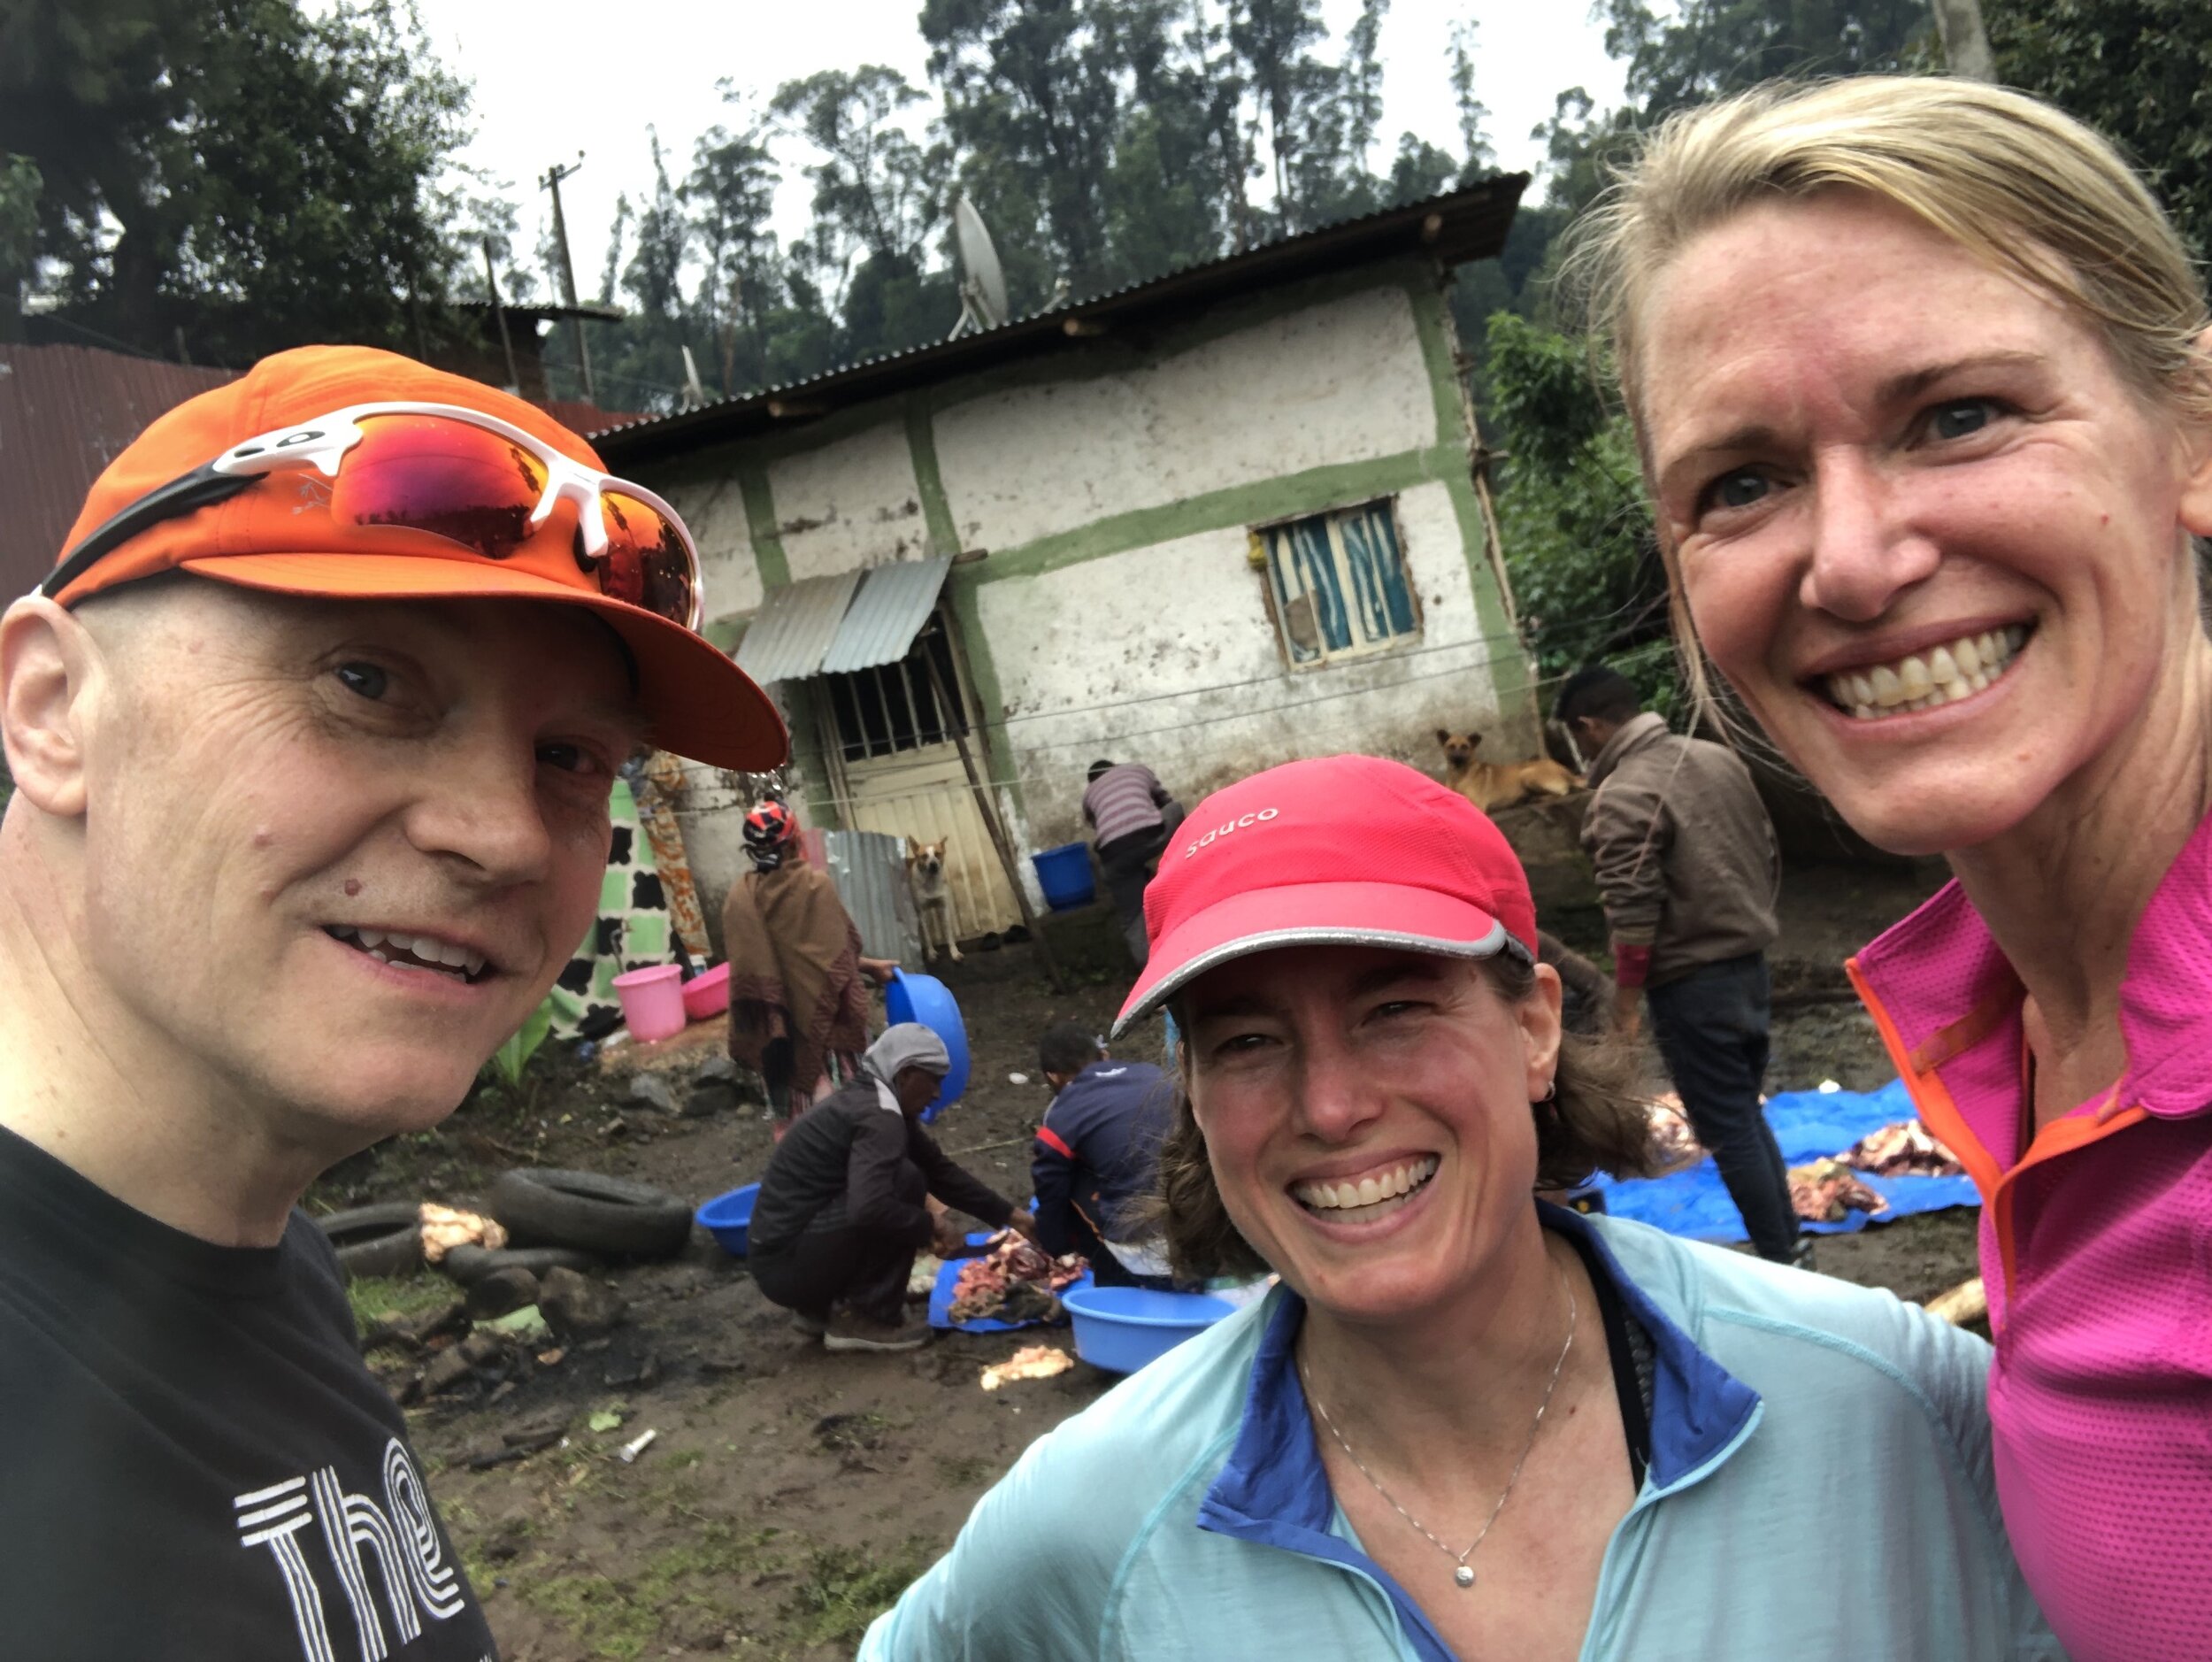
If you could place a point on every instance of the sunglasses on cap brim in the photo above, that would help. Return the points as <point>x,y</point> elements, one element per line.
<point>453,472</point>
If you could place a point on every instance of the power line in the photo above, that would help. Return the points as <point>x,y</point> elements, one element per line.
<point>1586,629</point>
<point>730,798</point>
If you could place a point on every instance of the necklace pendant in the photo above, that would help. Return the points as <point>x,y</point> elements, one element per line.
<point>1464,1576</point>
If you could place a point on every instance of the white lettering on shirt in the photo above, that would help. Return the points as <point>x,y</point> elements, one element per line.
<point>402,1544</point>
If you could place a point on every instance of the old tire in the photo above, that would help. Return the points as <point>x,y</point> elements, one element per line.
<point>469,1264</point>
<point>382,1240</point>
<point>612,1216</point>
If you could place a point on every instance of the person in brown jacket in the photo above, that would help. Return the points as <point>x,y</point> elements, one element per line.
<point>1688,869</point>
<point>798,1010</point>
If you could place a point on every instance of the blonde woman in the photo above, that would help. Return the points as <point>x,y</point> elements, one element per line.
<point>1919,376</point>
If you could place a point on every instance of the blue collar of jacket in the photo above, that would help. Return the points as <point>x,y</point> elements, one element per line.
<point>1275,1492</point>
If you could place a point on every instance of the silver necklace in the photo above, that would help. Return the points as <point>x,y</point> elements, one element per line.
<point>1464,1575</point>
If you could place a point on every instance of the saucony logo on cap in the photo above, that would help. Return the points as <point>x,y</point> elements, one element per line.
<point>1238,824</point>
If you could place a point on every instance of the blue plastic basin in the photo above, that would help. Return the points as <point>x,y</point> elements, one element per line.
<point>727,1217</point>
<point>1064,874</point>
<point>1121,1328</point>
<point>926,999</point>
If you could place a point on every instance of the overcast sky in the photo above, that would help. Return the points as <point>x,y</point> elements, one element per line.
<point>553,77</point>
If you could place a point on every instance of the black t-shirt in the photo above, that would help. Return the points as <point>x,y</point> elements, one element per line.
<point>194,1462</point>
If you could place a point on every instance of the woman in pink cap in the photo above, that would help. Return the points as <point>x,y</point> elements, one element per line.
<point>1918,370</point>
<point>1466,1423</point>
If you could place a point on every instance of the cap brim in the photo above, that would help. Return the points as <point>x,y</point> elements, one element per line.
<point>1313,914</point>
<point>699,703</point>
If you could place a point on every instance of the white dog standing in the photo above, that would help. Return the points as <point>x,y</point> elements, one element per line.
<point>932,896</point>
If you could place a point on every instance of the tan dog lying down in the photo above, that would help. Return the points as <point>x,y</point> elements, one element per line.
<point>1492,785</point>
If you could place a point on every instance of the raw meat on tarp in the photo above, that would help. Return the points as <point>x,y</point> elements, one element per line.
<point>1906,1149</point>
<point>1674,1142</point>
<point>1821,1191</point>
<point>1014,1281</point>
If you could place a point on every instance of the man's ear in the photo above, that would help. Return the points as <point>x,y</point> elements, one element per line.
<point>47,663</point>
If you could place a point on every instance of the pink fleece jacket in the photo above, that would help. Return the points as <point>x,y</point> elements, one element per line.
<point>2096,1247</point>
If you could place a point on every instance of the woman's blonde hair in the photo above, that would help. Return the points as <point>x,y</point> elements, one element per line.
<point>2008,178</point>
<point>1595,1120</point>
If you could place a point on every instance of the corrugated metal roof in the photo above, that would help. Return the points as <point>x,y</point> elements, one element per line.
<point>581,417</point>
<point>65,412</point>
<point>795,626</point>
<point>1454,227</point>
<point>894,603</point>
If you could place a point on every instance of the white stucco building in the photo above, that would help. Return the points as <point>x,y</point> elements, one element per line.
<point>1213,522</point>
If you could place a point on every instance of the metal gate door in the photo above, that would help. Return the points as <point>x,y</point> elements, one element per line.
<point>924,794</point>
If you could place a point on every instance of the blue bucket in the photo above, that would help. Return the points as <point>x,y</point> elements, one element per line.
<point>1121,1328</point>
<point>926,999</point>
<point>727,1217</point>
<point>1064,874</point>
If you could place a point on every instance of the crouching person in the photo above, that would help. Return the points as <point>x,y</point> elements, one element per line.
<point>1466,1424</point>
<point>1096,1160</point>
<point>844,1205</point>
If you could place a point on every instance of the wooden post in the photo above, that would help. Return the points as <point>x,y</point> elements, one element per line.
<point>988,808</point>
<point>506,340</point>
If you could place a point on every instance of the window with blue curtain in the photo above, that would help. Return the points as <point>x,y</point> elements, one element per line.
<point>1339,582</point>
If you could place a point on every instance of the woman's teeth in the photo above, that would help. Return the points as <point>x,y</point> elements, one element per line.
<point>1357,1201</point>
<point>1952,672</point>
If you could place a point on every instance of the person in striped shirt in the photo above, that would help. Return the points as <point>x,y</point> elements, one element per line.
<point>1131,817</point>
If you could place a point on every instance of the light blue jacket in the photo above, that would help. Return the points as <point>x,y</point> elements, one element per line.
<point>1819,1487</point>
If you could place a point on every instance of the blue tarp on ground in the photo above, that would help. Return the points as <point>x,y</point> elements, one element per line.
<point>941,1297</point>
<point>1809,1125</point>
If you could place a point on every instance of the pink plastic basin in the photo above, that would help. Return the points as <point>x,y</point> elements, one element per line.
<point>652,1001</point>
<point>708,995</point>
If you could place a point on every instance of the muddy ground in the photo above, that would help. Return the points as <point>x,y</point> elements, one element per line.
<point>790,1494</point>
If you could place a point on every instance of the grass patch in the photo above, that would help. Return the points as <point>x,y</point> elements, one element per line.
<point>620,1619</point>
<point>850,1434</point>
<point>376,1297</point>
<point>844,1589</point>
<point>963,1471</point>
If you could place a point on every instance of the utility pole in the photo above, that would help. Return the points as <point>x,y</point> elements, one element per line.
<point>506,340</point>
<point>1966,52</point>
<point>552,182</point>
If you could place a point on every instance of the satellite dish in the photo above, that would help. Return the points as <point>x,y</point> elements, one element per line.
<point>983,303</point>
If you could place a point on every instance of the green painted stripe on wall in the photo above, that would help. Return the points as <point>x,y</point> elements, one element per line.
<point>921,441</point>
<point>1339,484</point>
<point>1507,664</point>
<point>806,756</point>
<point>760,523</point>
<point>962,584</point>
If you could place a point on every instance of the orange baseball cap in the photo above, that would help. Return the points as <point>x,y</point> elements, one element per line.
<point>699,703</point>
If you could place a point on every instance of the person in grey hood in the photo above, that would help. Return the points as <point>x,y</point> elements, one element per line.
<point>845,1203</point>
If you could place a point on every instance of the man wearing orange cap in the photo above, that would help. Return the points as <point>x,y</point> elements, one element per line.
<point>312,730</point>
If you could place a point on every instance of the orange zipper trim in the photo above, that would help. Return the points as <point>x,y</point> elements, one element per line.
<point>2065,1135</point>
<point>2068,1135</point>
<point>1930,1094</point>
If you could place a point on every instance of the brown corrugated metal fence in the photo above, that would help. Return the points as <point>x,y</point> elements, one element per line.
<point>66,411</point>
